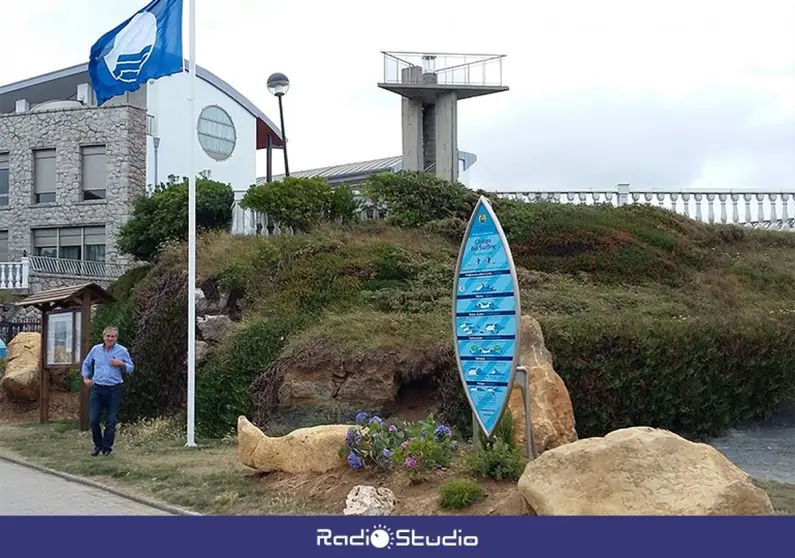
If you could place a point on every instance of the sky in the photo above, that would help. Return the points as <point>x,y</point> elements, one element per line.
<point>671,94</point>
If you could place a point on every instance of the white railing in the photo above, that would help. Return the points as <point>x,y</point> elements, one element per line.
<point>750,208</point>
<point>14,275</point>
<point>79,268</point>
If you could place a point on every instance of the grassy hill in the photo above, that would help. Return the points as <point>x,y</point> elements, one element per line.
<point>651,318</point>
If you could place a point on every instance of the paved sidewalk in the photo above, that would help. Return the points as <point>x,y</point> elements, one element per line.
<point>25,491</point>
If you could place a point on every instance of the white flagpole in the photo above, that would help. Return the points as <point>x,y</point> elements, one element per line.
<point>192,232</point>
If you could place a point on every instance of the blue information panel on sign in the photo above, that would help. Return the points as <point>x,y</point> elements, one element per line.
<point>486,316</point>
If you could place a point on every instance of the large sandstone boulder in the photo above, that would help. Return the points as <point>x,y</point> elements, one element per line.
<point>639,471</point>
<point>306,450</point>
<point>21,379</point>
<point>551,411</point>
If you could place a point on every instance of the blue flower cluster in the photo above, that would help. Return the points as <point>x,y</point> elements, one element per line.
<point>414,447</point>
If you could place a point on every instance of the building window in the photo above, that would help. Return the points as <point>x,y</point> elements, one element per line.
<point>71,243</point>
<point>3,246</point>
<point>94,176</point>
<point>217,134</point>
<point>4,179</point>
<point>44,176</point>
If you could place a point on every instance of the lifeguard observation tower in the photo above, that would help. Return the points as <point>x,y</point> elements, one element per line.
<point>431,85</point>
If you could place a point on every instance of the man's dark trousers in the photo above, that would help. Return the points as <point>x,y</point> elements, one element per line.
<point>104,399</point>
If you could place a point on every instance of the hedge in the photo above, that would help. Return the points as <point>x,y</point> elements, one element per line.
<point>696,377</point>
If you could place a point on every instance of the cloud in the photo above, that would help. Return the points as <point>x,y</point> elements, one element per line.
<point>598,137</point>
<point>658,95</point>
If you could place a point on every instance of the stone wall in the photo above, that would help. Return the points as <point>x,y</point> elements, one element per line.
<point>122,129</point>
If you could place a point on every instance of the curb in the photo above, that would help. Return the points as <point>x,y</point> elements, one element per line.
<point>93,484</point>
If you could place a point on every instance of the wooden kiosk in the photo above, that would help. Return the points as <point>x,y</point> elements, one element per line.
<point>65,336</point>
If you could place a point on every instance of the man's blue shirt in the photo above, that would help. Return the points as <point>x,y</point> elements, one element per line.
<point>104,373</point>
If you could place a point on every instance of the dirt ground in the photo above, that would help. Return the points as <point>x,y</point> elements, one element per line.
<point>63,406</point>
<point>329,491</point>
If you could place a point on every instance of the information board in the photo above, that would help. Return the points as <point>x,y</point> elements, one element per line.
<point>486,316</point>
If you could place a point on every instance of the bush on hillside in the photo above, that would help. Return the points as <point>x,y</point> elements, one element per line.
<point>157,386</point>
<point>163,216</point>
<point>119,313</point>
<point>222,387</point>
<point>632,244</point>
<point>414,198</point>
<point>697,377</point>
<point>302,203</point>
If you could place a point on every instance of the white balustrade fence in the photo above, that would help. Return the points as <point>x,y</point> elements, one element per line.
<point>751,208</point>
<point>14,275</point>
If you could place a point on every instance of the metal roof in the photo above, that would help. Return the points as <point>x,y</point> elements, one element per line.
<point>350,170</point>
<point>353,171</point>
<point>202,73</point>
<point>66,296</point>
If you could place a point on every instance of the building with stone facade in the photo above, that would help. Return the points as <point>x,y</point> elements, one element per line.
<point>70,171</point>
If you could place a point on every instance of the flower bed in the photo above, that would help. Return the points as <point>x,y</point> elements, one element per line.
<point>416,448</point>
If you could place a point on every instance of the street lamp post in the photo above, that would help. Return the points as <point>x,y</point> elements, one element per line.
<point>278,84</point>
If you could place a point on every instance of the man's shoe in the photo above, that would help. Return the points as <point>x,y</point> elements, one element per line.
<point>106,451</point>
<point>95,452</point>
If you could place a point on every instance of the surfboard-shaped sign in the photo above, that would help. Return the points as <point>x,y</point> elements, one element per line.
<point>486,317</point>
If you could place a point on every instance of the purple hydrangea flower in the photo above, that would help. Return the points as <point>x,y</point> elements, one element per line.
<point>379,420</point>
<point>442,432</point>
<point>361,417</point>
<point>355,461</point>
<point>352,437</point>
<point>387,453</point>
<point>410,463</point>
<point>393,428</point>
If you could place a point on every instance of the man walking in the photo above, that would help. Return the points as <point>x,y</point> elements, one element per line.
<point>109,360</point>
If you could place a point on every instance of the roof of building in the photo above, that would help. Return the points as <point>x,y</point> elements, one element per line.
<point>66,296</point>
<point>202,73</point>
<point>350,170</point>
<point>353,171</point>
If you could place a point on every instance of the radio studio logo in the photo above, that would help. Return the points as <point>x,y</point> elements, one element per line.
<point>382,536</point>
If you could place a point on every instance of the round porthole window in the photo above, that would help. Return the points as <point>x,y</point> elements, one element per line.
<point>217,134</point>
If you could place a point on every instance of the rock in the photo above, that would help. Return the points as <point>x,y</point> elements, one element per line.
<point>200,300</point>
<point>213,328</point>
<point>202,349</point>
<point>324,380</point>
<point>21,379</point>
<point>639,471</point>
<point>306,450</point>
<point>204,304</point>
<point>551,411</point>
<point>369,500</point>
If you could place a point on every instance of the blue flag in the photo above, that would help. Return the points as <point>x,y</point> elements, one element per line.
<point>146,46</point>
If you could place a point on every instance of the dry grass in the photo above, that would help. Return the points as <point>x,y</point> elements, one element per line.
<point>366,330</point>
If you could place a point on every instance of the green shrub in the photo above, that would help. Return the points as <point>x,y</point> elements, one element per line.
<point>302,203</point>
<point>119,313</point>
<point>157,386</point>
<point>628,244</point>
<point>499,458</point>
<point>457,494</point>
<point>499,461</point>
<point>415,198</point>
<point>163,216</point>
<point>697,376</point>
<point>223,386</point>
